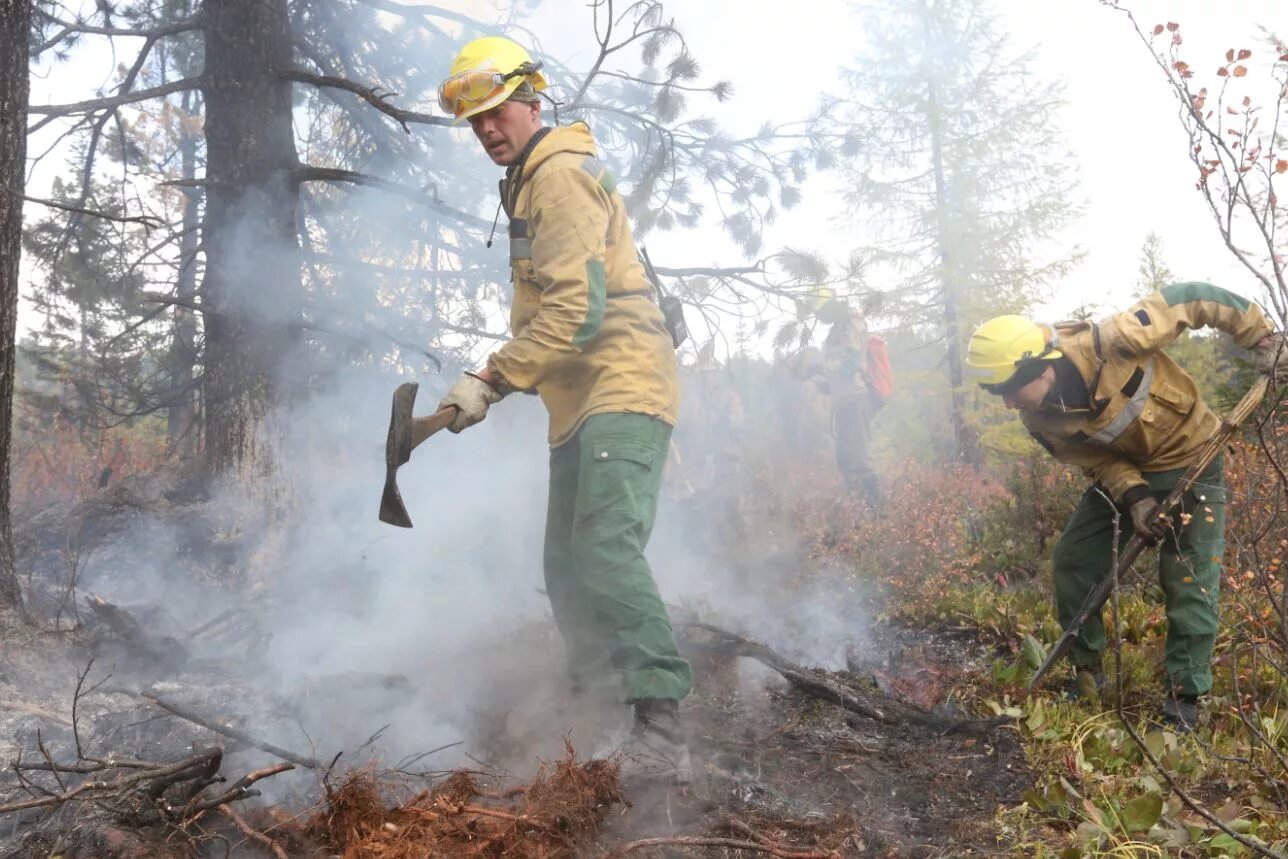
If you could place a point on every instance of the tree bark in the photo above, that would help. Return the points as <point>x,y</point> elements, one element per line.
<point>964,446</point>
<point>182,414</point>
<point>252,295</point>
<point>15,35</point>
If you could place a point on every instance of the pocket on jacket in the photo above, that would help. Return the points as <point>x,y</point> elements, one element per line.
<point>1165,410</point>
<point>1173,397</point>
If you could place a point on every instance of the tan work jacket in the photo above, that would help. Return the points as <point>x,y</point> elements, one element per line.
<point>588,335</point>
<point>1145,413</point>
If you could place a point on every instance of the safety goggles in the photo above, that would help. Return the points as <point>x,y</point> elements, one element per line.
<point>1025,371</point>
<point>469,89</point>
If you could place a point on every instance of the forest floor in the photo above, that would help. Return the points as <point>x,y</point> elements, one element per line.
<point>881,759</point>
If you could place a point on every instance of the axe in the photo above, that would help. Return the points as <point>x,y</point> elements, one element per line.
<point>405,435</point>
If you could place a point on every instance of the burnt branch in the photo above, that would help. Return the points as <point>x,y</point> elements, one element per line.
<point>211,725</point>
<point>374,96</point>
<point>119,787</point>
<point>241,788</point>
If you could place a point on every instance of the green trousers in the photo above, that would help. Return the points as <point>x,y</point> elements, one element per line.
<point>852,425</point>
<point>604,485</point>
<point>1189,568</point>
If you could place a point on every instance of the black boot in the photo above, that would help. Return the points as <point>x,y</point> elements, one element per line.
<point>1086,684</point>
<point>1181,712</point>
<point>657,747</point>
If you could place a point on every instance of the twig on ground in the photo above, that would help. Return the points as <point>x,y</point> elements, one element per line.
<point>33,710</point>
<point>252,833</point>
<point>226,730</point>
<point>240,788</point>
<point>116,786</point>
<point>728,843</point>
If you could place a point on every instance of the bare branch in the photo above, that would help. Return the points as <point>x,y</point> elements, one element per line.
<point>372,95</point>
<point>53,111</point>
<point>306,173</point>
<point>73,28</point>
<point>148,221</point>
<point>422,12</point>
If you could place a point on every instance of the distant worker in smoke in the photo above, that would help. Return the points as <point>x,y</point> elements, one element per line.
<point>841,371</point>
<point>1106,397</point>
<point>590,339</point>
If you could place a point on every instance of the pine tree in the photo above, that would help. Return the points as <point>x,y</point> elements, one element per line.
<point>953,160</point>
<point>15,35</point>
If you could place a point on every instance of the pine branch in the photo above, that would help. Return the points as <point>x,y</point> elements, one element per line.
<point>370,94</point>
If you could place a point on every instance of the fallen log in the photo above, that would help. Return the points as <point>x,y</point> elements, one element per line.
<point>813,682</point>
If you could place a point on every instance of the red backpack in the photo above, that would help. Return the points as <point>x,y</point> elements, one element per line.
<point>880,378</point>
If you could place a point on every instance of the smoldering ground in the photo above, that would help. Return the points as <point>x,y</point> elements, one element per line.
<point>439,635</point>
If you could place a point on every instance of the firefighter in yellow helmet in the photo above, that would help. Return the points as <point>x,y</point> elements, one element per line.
<point>590,339</point>
<point>1106,397</point>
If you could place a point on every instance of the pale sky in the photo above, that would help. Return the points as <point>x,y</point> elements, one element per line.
<point>1121,119</point>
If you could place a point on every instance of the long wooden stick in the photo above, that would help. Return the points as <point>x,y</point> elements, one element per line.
<point>1095,600</point>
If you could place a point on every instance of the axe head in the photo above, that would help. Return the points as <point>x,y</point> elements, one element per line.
<point>397,451</point>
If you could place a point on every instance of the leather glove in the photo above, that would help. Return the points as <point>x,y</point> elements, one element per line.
<point>1271,358</point>
<point>472,396</point>
<point>1150,521</point>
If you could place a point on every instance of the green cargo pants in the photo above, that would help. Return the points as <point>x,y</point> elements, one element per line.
<point>1189,567</point>
<point>604,485</point>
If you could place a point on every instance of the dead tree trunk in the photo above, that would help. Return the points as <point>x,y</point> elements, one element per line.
<point>15,35</point>
<point>252,290</point>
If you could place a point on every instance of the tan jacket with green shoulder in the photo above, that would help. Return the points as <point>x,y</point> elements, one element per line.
<point>588,335</point>
<point>1145,413</point>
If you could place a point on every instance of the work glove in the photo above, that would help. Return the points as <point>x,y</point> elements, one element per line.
<point>1150,520</point>
<point>1271,357</point>
<point>472,396</point>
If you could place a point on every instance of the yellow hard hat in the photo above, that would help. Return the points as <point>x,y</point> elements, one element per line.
<point>814,301</point>
<point>1001,345</point>
<point>485,73</point>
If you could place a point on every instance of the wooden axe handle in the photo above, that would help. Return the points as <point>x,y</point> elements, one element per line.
<point>423,428</point>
